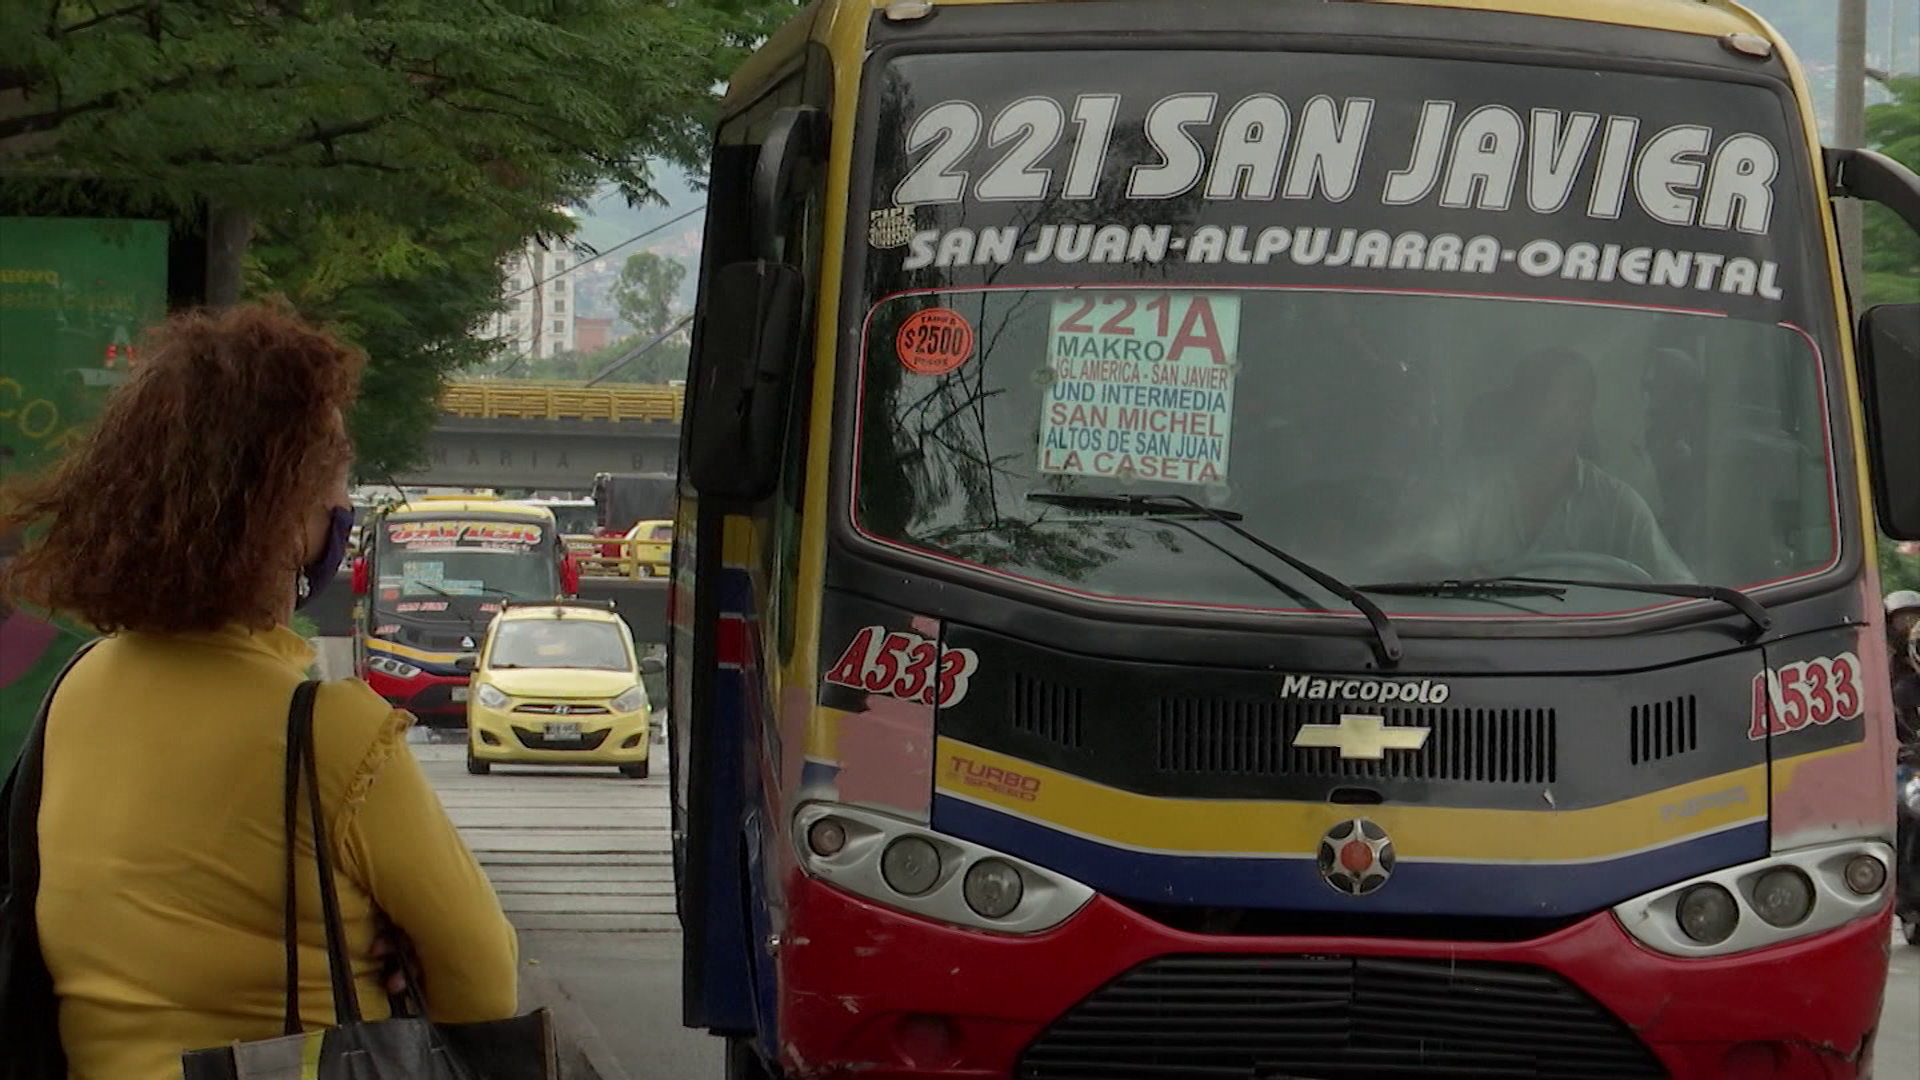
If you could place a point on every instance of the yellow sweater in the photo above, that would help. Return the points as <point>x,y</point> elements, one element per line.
<point>161,854</point>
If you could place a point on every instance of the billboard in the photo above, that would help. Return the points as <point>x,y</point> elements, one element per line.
<point>74,294</point>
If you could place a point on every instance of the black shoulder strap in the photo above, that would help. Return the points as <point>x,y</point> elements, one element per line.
<point>20,802</point>
<point>302,760</point>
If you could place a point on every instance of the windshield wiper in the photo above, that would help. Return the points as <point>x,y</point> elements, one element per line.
<point>1144,505</point>
<point>473,628</point>
<point>1386,638</point>
<point>1468,587</point>
<point>1733,598</point>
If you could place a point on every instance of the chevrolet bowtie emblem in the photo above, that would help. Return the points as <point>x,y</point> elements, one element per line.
<point>1362,738</point>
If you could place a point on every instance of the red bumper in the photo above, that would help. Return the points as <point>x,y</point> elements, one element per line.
<point>871,993</point>
<point>427,696</point>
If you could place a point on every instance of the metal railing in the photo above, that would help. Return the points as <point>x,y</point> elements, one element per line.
<point>495,399</point>
<point>590,554</point>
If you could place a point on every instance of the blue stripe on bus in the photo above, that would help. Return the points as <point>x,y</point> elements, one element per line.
<point>1416,888</point>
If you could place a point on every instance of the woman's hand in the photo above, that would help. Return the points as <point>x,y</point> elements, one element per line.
<point>391,947</point>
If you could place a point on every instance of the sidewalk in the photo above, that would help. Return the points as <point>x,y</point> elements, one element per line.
<point>580,861</point>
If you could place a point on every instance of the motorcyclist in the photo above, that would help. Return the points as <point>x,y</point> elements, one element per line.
<point>1903,641</point>
<point>1903,645</point>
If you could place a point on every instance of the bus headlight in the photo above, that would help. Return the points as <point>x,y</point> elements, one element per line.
<point>1866,875</point>
<point>1762,903</point>
<point>387,665</point>
<point>906,866</point>
<point>910,865</point>
<point>992,888</point>
<point>1783,896</point>
<point>633,700</point>
<point>1707,914</point>
<point>491,696</point>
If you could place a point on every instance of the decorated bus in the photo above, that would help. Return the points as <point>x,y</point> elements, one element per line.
<point>430,576</point>
<point>1284,539</point>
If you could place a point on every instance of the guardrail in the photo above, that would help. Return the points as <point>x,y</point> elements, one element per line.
<point>508,399</point>
<point>590,554</point>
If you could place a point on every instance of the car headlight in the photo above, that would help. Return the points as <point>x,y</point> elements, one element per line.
<point>1762,903</point>
<point>490,696</point>
<point>909,867</point>
<point>633,700</point>
<point>399,669</point>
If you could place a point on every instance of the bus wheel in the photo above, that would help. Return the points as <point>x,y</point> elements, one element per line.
<point>743,1063</point>
<point>635,772</point>
<point>475,766</point>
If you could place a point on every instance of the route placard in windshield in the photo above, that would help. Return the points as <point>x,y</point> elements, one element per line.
<point>1336,170</point>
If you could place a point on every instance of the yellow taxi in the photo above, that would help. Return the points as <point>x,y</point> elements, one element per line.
<point>649,549</point>
<point>558,683</point>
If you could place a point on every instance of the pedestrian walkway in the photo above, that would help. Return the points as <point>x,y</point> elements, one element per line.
<point>581,860</point>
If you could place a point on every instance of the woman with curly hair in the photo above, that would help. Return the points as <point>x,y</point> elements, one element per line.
<point>209,500</point>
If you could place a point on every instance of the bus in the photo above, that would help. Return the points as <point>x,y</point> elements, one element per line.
<point>573,517</point>
<point>623,499</point>
<point>1287,540</point>
<point>430,574</point>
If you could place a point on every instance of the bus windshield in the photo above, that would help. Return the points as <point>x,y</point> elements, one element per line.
<point>1550,328</point>
<point>432,565</point>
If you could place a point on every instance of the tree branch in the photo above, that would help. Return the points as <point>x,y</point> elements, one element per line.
<point>52,118</point>
<point>88,24</point>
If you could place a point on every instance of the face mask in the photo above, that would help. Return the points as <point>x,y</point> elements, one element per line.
<point>320,572</point>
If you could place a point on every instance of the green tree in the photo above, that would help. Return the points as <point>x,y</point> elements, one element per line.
<point>647,291</point>
<point>1897,571</point>
<point>1892,254</point>
<point>384,155</point>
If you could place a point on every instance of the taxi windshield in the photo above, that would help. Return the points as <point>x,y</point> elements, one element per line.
<point>1379,436</point>
<point>559,643</point>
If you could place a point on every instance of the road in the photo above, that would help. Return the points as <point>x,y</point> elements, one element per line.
<point>580,860</point>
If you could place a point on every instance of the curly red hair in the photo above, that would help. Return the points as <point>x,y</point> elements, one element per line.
<point>186,507</point>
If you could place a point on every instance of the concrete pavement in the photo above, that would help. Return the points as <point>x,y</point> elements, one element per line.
<point>580,859</point>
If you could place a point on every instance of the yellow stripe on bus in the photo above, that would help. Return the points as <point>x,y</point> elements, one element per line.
<point>1274,827</point>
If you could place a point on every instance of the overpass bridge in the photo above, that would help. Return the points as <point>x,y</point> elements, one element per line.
<point>503,433</point>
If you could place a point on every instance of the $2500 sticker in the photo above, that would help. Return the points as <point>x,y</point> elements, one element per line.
<point>904,665</point>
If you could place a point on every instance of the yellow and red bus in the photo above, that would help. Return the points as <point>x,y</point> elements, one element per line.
<point>1286,540</point>
<point>430,576</point>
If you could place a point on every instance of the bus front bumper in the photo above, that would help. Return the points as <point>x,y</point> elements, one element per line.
<point>438,701</point>
<point>873,993</point>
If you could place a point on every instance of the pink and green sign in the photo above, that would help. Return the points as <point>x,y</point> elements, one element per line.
<point>74,294</point>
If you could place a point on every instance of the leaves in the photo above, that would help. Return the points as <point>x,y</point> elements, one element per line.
<point>1892,248</point>
<point>392,153</point>
<point>501,103</point>
<point>646,291</point>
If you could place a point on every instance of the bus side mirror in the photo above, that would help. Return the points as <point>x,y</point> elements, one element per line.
<point>1889,353</point>
<point>569,574</point>
<point>1874,177</point>
<point>652,665</point>
<point>748,339</point>
<point>360,582</point>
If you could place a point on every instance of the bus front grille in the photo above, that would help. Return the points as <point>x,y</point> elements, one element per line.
<point>1337,1018</point>
<point>1256,738</point>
